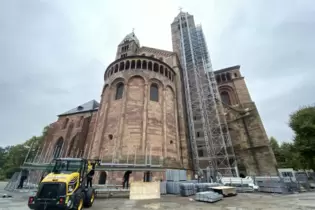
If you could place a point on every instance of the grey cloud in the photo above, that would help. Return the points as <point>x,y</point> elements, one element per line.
<point>274,44</point>
<point>53,53</point>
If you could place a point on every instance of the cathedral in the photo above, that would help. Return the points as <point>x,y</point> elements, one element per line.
<point>141,118</point>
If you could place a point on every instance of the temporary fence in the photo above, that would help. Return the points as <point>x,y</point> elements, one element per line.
<point>284,185</point>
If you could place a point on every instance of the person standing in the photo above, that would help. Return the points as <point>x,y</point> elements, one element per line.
<point>90,175</point>
<point>24,174</point>
<point>126,179</point>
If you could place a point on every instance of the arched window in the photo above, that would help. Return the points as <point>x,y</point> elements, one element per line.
<point>127,65</point>
<point>133,64</point>
<point>225,97</point>
<point>223,77</point>
<point>79,123</point>
<point>165,72</point>
<point>121,66</point>
<point>156,67</point>
<point>218,78</point>
<point>119,91</point>
<point>144,65</point>
<point>58,148</point>
<point>228,76</point>
<point>161,70</point>
<point>65,123</point>
<point>116,68</point>
<point>154,92</point>
<point>111,71</point>
<point>150,66</point>
<point>102,179</point>
<point>138,64</point>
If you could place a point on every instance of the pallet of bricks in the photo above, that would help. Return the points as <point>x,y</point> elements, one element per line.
<point>275,184</point>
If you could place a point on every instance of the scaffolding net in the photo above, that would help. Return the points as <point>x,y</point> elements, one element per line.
<point>209,135</point>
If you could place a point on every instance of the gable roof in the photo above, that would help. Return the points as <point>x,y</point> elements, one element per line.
<point>86,107</point>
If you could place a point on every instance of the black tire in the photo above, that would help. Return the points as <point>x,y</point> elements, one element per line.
<point>89,197</point>
<point>78,197</point>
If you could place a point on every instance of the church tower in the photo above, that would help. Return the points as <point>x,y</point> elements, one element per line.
<point>128,46</point>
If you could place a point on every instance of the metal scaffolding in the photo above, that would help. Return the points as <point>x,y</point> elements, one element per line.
<point>207,125</point>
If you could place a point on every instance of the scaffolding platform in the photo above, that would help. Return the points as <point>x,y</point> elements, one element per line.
<point>105,167</point>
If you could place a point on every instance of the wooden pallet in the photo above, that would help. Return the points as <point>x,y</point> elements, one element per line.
<point>226,191</point>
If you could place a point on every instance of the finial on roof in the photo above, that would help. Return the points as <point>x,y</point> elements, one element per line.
<point>133,30</point>
<point>180,9</point>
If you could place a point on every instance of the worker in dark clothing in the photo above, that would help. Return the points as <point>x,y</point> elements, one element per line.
<point>90,175</point>
<point>24,174</point>
<point>126,179</point>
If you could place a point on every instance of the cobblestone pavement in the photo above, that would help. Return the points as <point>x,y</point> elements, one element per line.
<point>244,201</point>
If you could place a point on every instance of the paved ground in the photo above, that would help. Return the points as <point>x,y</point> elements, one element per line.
<point>240,202</point>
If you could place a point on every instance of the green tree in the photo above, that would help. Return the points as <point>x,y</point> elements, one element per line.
<point>12,157</point>
<point>275,148</point>
<point>302,122</point>
<point>286,154</point>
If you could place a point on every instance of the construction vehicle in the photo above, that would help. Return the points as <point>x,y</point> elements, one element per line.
<point>65,186</point>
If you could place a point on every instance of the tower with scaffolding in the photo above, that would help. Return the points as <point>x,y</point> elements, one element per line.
<point>211,146</point>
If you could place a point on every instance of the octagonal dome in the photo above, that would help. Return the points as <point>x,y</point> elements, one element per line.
<point>131,37</point>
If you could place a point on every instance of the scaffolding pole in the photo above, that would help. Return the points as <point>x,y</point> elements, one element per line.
<point>203,110</point>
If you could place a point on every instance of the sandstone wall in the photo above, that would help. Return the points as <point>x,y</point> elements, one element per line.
<point>139,127</point>
<point>249,138</point>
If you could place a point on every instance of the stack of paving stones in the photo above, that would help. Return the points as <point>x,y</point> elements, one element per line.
<point>163,188</point>
<point>187,189</point>
<point>203,187</point>
<point>174,187</point>
<point>209,197</point>
<point>276,185</point>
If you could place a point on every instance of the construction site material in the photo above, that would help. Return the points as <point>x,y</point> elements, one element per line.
<point>209,134</point>
<point>275,184</point>
<point>187,189</point>
<point>202,187</point>
<point>226,191</point>
<point>144,190</point>
<point>176,175</point>
<point>163,190</point>
<point>173,188</point>
<point>209,196</point>
<point>241,184</point>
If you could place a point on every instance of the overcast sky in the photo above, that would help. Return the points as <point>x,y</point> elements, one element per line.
<point>53,53</point>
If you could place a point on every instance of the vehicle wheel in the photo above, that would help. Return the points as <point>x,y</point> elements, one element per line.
<point>89,197</point>
<point>79,202</point>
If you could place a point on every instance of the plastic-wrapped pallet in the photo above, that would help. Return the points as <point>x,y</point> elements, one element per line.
<point>203,187</point>
<point>276,185</point>
<point>187,189</point>
<point>208,196</point>
<point>163,188</point>
<point>172,188</point>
